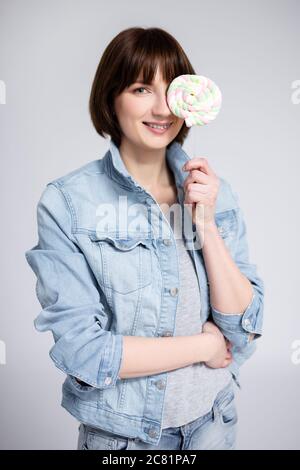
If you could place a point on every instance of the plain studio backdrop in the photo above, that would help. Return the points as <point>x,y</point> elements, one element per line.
<point>49,51</point>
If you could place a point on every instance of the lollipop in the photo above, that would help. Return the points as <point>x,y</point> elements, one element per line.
<point>195,98</point>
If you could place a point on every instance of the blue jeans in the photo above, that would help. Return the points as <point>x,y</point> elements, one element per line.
<point>215,430</point>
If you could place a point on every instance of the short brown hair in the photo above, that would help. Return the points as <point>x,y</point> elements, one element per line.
<point>134,51</point>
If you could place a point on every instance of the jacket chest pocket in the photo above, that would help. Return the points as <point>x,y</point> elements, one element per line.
<point>123,265</point>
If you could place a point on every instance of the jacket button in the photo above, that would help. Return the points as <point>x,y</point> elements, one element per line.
<point>174,291</point>
<point>160,384</point>
<point>167,333</point>
<point>152,432</point>
<point>167,242</point>
<point>107,381</point>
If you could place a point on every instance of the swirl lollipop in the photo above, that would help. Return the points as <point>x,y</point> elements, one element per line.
<point>195,98</point>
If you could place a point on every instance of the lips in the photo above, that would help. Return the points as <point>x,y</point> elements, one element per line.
<point>157,130</point>
<point>158,124</point>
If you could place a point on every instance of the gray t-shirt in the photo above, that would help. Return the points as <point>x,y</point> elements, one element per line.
<point>190,390</point>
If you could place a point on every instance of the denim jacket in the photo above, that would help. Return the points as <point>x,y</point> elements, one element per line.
<point>97,282</point>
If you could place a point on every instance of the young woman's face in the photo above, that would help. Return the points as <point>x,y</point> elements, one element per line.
<point>139,104</point>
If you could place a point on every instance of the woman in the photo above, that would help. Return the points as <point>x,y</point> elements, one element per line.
<point>150,328</point>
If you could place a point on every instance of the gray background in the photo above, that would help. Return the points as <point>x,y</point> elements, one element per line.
<point>49,52</point>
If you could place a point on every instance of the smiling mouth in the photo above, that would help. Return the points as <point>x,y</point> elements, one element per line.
<point>156,126</point>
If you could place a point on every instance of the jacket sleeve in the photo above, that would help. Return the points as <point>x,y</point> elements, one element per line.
<point>68,293</point>
<point>242,327</point>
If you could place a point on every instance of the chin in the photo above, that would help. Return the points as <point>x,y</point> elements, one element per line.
<point>158,145</point>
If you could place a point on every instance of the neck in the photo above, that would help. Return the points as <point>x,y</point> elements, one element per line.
<point>147,166</point>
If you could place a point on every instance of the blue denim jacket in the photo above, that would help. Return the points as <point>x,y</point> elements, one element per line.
<point>97,282</point>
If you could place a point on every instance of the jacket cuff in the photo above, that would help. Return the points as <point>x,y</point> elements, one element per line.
<point>111,364</point>
<point>241,328</point>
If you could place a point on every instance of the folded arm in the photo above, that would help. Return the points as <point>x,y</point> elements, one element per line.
<point>236,290</point>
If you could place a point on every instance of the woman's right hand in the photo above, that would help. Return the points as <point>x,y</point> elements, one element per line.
<point>220,347</point>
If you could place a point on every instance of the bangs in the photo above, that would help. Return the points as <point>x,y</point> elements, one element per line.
<point>154,49</point>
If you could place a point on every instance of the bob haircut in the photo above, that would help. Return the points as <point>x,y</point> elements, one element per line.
<point>134,51</point>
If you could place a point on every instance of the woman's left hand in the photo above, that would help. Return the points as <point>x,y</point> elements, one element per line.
<point>201,189</point>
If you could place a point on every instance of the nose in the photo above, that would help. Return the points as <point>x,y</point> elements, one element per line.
<point>161,107</point>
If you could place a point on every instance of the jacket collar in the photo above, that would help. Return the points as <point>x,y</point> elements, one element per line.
<point>175,155</point>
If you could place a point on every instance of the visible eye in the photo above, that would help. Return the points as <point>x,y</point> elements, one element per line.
<point>140,88</point>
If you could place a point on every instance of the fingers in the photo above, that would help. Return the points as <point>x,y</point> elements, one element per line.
<point>228,354</point>
<point>201,188</point>
<point>197,176</point>
<point>227,361</point>
<point>198,162</point>
<point>228,357</point>
<point>207,326</point>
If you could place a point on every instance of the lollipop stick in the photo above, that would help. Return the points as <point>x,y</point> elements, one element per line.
<point>194,140</point>
<point>191,154</point>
